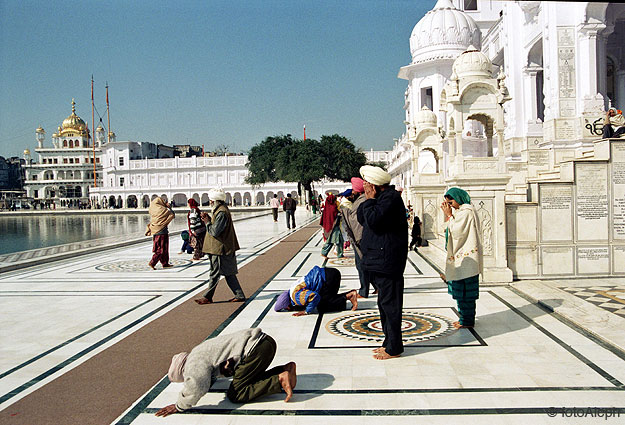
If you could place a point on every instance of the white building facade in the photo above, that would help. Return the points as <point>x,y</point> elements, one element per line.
<point>132,179</point>
<point>506,99</point>
<point>62,174</point>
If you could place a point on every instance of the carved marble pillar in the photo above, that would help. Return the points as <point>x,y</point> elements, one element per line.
<point>619,89</point>
<point>592,58</point>
<point>531,100</point>
<point>452,145</point>
<point>500,152</point>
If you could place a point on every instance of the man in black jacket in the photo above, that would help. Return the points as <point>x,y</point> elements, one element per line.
<point>289,208</point>
<point>385,249</point>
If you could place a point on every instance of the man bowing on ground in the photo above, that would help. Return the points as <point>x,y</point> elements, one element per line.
<point>384,246</point>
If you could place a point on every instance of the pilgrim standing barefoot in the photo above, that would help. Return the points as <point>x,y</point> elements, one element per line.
<point>383,355</point>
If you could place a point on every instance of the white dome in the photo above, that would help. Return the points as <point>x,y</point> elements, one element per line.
<point>426,118</point>
<point>473,63</point>
<point>443,33</point>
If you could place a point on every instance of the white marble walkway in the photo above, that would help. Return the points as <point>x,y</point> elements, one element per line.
<point>518,364</point>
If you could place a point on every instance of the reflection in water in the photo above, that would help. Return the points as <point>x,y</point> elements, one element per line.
<point>32,232</point>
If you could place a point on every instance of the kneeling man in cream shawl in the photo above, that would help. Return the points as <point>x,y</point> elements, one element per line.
<point>464,253</point>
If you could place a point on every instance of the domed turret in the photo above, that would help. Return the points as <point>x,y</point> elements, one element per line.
<point>443,33</point>
<point>73,125</point>
<point>426,118</point>
<point>473,63</point>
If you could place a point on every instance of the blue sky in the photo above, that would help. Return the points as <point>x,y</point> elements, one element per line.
<point>207,72</point>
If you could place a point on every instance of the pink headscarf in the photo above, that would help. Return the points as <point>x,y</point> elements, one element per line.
<point>177,367</point>
<point>330,211</point>
<point>358,185</point>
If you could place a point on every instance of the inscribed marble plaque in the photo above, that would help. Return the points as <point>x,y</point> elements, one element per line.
<point>516,167</point>
<point>557,260</point>
<point>595,260</point>
<point>618,258</point>
<point>618,190</point>
<point>538,158</point>
<point>556,212</point>
<point>592,201</point>
<point>565,129</point>
<point>566,67</point>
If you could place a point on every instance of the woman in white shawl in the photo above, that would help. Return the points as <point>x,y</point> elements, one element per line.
<point>464,253</point>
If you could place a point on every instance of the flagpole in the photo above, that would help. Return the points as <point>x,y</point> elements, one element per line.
<point>108,114</point>
<point>95,182</point>
<point>304,131</point>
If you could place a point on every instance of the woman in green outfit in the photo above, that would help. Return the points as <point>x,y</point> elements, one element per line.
<point>464,253</point>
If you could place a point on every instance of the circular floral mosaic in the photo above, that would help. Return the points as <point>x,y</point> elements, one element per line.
<point>136,265</point>
<point>415,326</point>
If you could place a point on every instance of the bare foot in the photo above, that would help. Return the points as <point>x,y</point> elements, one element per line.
<point>236,300</point>
<point>360,296</point>
<point>166,266</point>
<point>457,325</point>
<point>285,383</point>
<point>151,266</point>
<point>383,355</point>
<point>203,301</point>
<point>377,350</point>
<point>352,296</point>
<point>291,368</point>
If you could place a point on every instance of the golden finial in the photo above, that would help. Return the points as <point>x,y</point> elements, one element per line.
<point>73,106</point>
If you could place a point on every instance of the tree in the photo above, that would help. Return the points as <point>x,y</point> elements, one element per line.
<point>342,160</point>
<point>303,161</point>
<point>261,160</point>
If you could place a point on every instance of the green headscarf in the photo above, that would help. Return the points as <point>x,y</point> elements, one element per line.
<point>458,195</point>
<point>461,197</point>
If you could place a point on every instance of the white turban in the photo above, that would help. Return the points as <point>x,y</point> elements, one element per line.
<point>375,175</point>
<point>216,195</point>
<point>177,366</point>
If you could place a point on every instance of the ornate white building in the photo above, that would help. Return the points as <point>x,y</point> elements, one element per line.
<point>506,99</point>
<point>63,173</point>
<point>132,179</point>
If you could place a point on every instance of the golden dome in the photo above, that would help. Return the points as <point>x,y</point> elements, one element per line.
<point>26,151</point>
<point>40,130</point>
<point>73,125</point>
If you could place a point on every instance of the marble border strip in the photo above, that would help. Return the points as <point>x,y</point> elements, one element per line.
<point>597,339</point>
<point>63,344</point>
<point>92,347</point>
<point>561,343</point>
<point>377,412</point>
<point>301,264</point>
